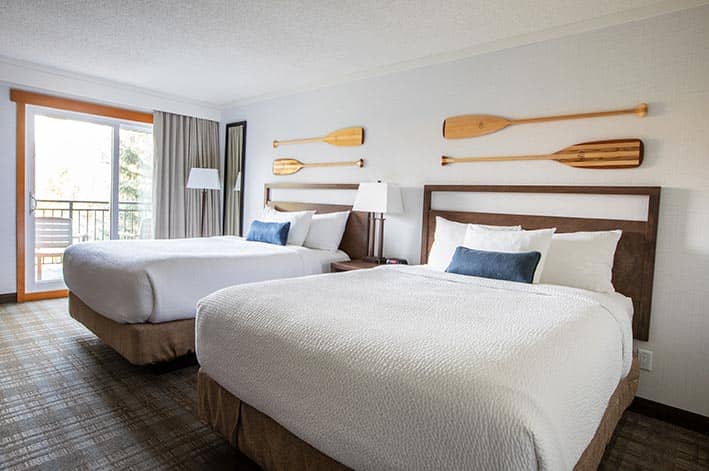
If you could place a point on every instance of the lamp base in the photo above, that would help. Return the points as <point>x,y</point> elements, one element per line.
<point>377,260</point>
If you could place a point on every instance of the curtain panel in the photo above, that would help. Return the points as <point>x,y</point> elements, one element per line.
<point>181,143</point>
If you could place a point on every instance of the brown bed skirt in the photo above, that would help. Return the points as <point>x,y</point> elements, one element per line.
<point>272,447</point>
<point>140,344</point>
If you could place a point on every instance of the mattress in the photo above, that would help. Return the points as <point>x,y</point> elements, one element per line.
<point>157,281</point>
<point>414,369</point>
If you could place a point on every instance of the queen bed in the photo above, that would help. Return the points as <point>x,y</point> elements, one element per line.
<point>140,297</point>
<point>413,368</point>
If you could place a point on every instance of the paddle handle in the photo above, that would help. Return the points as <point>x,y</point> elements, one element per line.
<point>445,160</point>
<point>354,163</point>
<point>640,110</point>
<point>306,140</point>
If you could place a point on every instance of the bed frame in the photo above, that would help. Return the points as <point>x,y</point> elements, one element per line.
<point>273,447</point>
<point>147,343</point>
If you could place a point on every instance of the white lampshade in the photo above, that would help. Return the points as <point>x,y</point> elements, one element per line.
<point>379,197</point>
<point>204,179</point>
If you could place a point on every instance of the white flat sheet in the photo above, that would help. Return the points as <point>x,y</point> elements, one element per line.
<point>408,368</point>
<point>161,280</point>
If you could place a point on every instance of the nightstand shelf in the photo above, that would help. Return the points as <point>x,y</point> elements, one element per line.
<point>351,265</point>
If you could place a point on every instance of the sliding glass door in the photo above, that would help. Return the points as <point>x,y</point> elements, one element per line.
<point>89,178</point>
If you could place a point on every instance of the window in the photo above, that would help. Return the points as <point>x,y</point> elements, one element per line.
<point>90,179</point>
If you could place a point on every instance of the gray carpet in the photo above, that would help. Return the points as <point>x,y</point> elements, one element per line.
<point>69,402</point>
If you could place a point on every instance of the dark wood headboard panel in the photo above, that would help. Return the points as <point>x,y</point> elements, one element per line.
<point>634,264</point>
<point>355,239</point>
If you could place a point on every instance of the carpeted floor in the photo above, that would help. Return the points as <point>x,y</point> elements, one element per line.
<point>69,402</point>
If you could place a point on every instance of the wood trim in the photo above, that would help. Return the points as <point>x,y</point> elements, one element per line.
<point>673,415</point>
<point>20,201</point>
<point>68,104</point>
<point>8,298</point>
<point>633,270</point>
<point>59,293</point>
<point>23,98</point>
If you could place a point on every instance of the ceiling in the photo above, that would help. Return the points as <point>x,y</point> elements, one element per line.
<point>223,52</point>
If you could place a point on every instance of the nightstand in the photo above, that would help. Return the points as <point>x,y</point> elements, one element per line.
<point>351,265</point>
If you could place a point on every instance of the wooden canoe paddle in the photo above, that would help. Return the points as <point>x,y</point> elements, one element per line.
<point>474,125</point>
<point>620,153</point>
<point>291,166</point>
<point>347,137</point>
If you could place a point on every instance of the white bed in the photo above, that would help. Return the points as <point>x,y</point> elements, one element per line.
<point>140,297</point>
<point>409,365</point>
<point>161,280</point>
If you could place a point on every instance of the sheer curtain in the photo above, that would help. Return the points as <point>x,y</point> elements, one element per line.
<point>183,142</point>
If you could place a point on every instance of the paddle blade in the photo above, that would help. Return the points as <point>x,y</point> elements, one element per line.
<point>472,125</point>
<point>286,166</point>
<point>619,153</point>
<point>347,137</point>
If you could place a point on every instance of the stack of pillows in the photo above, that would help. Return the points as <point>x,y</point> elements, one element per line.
<point>578,259</point>
<point>303,228</point>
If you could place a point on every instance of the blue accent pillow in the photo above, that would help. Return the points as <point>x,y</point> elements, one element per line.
<point>496,265</point>
<point>269,232</point>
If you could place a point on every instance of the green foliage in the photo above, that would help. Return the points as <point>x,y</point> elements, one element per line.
<point>134,185</point>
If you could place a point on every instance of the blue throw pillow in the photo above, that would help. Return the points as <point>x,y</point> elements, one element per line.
<point>269,232</point>
<point>496,265</point>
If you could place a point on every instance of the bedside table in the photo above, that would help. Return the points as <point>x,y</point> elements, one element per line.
<point>351,265</point>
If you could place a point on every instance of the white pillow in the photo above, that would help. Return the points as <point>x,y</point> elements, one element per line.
<point>582,260</point>
<point>299,222</point>
<point>326,230</point>
<point>479,238</point>
<point>448,236</point>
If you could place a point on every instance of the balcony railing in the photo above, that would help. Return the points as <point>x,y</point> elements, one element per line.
<point>91,219</point>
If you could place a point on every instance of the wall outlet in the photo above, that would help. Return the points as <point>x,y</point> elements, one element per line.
<point>645,357</point>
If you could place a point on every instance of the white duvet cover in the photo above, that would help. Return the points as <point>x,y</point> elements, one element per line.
<point>161,280</point>
<point>408,368</point>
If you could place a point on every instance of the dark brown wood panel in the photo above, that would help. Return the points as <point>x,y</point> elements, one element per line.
<point>634,264</point>
<point>355,239</point>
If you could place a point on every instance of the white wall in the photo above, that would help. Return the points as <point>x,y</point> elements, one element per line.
<point>662,61</point>
<point>7,192</point>
<point>18,75</point>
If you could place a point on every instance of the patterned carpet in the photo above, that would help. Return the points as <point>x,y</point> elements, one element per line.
<point>69,402</point>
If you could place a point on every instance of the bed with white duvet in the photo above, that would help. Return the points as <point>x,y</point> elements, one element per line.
<point>413,368</point>
<point>160,281</point>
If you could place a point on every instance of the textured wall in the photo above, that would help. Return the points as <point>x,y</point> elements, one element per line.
<point>662,61</point>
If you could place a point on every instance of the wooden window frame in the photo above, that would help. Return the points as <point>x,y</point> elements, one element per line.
<point>23,98</point>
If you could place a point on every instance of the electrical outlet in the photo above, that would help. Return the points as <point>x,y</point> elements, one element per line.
<point>645,357</point>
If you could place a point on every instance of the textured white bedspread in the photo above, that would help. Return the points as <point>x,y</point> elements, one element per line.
<point>407,368</point>
<point>133,281</point>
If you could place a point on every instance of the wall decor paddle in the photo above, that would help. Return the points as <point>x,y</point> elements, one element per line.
<point>347,137</point>
<point>619,153</point>
<point>291,166</point>
<point>474,125</point>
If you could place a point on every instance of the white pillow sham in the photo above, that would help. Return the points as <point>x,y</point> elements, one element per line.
<point>582,260</point>
<point>448,236</point>
<point>480,238</point>
<point>299,222</point>
<point>326,230</point>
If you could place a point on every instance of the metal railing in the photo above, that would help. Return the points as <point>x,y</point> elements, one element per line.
<point>91,219</point>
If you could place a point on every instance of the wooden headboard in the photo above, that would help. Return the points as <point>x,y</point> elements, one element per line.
<point>355,240</point>
<point>634,264</point>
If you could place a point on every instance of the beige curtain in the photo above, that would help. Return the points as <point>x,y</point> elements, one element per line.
<point>181,143</point>
<point>234,151</point>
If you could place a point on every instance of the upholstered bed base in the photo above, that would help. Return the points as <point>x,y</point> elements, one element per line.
<point>140,344</point>
<point>273,447</point>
